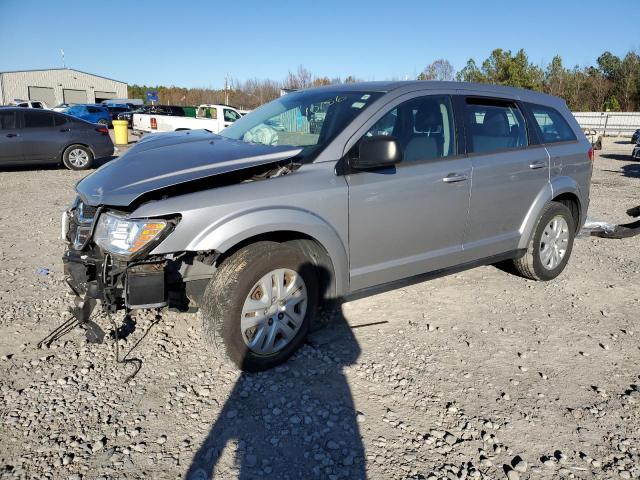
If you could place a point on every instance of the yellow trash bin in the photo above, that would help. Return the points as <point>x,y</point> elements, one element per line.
<point>121,131</point>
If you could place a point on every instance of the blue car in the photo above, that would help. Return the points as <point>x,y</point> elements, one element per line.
<point>90,113</point>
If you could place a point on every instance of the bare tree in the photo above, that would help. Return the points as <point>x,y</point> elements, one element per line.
<point>441,70</point>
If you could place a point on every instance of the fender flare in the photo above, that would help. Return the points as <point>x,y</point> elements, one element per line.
<point>229,231</point>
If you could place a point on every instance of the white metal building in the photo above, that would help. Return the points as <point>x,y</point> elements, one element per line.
<point>59,85</point>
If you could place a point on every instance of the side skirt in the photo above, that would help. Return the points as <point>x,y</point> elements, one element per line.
<point>405,282</point>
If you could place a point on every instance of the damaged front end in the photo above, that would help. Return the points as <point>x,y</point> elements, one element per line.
<point>108,260</point>
<point>109,256</point>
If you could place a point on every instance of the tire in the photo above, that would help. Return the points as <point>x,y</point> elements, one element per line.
<point>228,293</point>
<point>532,264</point>
<point>77,157</point>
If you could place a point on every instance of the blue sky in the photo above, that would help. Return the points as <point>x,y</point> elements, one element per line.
<point>194,43</point>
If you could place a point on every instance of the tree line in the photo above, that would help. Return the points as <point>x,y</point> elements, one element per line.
<point>613,83</point>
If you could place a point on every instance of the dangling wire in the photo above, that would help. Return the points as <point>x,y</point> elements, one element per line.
<point>124,360</point>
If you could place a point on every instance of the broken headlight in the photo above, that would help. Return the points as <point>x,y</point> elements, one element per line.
<point>125,237</point>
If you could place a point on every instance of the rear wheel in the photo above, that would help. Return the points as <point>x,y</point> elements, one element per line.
<point>77,157</point>
<point>550,247</point>
<point>259,306</point>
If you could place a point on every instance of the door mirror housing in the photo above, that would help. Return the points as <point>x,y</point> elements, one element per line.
<point>377,152</point>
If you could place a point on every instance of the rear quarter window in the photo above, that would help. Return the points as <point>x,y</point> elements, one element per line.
<point>551,125</point>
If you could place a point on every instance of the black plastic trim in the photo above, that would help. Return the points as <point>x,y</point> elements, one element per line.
<point>404,282</point>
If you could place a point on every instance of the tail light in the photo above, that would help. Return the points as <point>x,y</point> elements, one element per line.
<point>154,124</point>
<point>103,130</point>
<point>591,154</point>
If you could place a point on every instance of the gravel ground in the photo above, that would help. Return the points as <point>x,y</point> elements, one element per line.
<point>476,375</point>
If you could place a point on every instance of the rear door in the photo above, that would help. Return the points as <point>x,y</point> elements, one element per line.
<point>410,219</point>
<point>509,172</point>
<point>40,137</point>
<point>10,138</point>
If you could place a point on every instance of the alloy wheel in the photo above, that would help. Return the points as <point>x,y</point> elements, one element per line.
<point>554,242</point>
<point>274,311</point>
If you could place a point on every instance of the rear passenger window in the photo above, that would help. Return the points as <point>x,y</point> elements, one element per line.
<point>423,126</point>
<point>38,119</point>
<point>552,126</point>
<point>495,125</point>
<point>7,120</point>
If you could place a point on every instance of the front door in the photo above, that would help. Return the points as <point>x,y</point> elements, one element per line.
<point>410,219</point>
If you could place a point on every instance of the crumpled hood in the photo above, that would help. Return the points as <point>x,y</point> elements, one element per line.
<point>167,159</point>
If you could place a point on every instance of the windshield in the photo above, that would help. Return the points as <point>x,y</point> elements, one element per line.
<point>308,119</point>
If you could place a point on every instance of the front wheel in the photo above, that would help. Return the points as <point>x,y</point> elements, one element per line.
<point>259,305</point>
<point>550,247</point>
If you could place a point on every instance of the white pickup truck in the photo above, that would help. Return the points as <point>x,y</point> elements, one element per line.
<point>210,117</point>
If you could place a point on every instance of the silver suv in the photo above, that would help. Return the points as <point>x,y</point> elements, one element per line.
<point>324,194</point>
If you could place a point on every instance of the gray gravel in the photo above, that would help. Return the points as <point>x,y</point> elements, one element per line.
<point>476,375</point>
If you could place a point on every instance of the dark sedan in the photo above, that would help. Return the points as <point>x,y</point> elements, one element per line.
<point>29,137</point>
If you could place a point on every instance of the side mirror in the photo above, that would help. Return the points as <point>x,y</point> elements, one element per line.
<point>377,152</point>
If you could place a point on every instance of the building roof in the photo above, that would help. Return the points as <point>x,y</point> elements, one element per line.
<point>65,69</point>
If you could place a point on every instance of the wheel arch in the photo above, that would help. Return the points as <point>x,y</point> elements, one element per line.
<point>561,189</point>
<point>297,227</point>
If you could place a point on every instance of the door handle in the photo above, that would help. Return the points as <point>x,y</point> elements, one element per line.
<point>536,165</point>
<point>11,135</point>
<point>63,130</point>
<point>455,177</point>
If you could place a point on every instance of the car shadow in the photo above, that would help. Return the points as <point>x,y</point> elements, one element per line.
<point>617,156</point>
<point>297,420</point>
<point>630,170</point>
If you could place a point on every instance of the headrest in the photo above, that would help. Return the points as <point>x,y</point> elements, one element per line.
<point>428,116</point>
<point>495,124</point>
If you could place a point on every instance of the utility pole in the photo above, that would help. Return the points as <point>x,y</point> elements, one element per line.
<point>226,89</point>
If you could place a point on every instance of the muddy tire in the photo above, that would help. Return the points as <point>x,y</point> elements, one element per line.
<point>258,307</point>
<point>550,246</point>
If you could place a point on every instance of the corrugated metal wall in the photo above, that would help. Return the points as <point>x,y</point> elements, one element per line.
<point>609,123</point>
<point>16,84</point>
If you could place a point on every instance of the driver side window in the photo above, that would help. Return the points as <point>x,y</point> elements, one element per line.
<point>423,126</point>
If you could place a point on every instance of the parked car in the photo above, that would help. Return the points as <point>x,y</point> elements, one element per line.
<point>155,109</point>
<point>636,136</point>
<point>208,116</point>
<point>635,154</point>
<point>90,113</point>
<point>115,110</point>
<point>128,116</point>
<point>62,107</point>
<point>257,226</point>
<point>30,104</point>
<point>594,138</point>
<point>31,137</point>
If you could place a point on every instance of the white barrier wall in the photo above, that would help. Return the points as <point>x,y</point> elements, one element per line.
<point>609,123</point>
